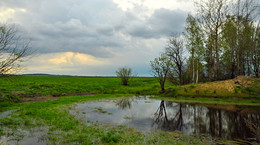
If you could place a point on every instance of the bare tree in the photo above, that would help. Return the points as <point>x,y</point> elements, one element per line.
<point>125,74</point>
<point>160,68</point>
<point>13,50</point>
<point>175,51</point>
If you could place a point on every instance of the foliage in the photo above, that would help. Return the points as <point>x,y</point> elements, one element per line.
<point>160,68</point>
<point>125,74</point>
<point>222,40</point>
<point>194,37</point>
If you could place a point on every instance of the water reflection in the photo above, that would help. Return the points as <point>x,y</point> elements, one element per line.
<point>124,103</point>
<point>147,114</point>
<point>174,122</point>
<point>199,119</point>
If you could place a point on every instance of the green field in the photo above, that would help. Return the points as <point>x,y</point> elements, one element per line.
<point>61,127</point>
<point>12,89</point>
<point>34,86</point>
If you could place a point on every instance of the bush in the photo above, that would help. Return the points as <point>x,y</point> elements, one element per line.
<point>125,74</point>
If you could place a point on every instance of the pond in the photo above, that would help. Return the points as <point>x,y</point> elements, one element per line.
<point>146,114</point>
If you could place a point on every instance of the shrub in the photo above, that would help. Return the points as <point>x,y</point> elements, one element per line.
<point>125,74</point>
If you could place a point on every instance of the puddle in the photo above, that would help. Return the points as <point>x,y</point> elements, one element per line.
<point>25,137</point>
<point>21,136</point>
<point>5,114</point>
<point>145,114</point>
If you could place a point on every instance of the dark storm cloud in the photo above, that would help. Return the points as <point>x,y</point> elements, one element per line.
<point>89,26</point>
<point>108,31</point>
<point>162,23</point>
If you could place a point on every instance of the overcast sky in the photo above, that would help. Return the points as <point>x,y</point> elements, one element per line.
<point>95,37</point>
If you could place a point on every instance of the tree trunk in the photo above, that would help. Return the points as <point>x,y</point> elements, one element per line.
<point>219,123</point>
<point>218,65</point>
<point>162,86</point>
<point>197,79</point>
<point>180,79</point>
<point>193,72</point>
<point>217,53</point>
<point>210,66</point>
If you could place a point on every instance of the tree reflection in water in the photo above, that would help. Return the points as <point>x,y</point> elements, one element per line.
<point>124,103</point>
<point>162,121</point>
<point>159,113</point>
<point>199,119</point>
<point>227,122</point>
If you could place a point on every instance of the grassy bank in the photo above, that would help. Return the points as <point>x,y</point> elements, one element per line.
<point>240,87</point>
<point>60,127</point>
<point>15,88</point>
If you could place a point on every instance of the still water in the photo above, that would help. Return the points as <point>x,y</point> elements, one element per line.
<point>146,114</point>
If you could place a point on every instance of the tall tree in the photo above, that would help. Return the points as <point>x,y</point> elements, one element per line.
<point>212,14</point>
<point>244,12</point>
<point>256,51</point>
<point>194,42</point>
<point>240,39</point>
<point>229,53</point>
<point>175,52</point>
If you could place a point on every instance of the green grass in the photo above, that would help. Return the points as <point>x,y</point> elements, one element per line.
<point>14,88</point>
<point>63,128</point>
<point>33,86</point>
<point>11,89</point>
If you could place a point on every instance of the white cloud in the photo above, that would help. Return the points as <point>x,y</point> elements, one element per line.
<point>66,59</point>
<point>7,14</point>
<point>151,5</point>
<point>72,58</point>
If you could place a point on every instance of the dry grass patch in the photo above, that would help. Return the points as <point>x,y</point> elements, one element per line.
<point>222,88</point>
